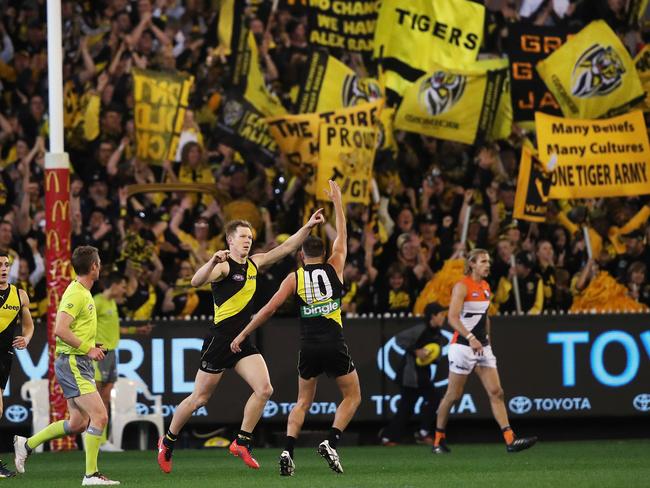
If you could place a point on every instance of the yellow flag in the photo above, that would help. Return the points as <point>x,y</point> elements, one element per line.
<point>642,64</point>
<point>331,85</point>
<point>533,186</point>
<point>256,91</point>
<point>454,104</point>
<point>410,36</point>
<point>160,103</point>
<point>596,158</point>
<point>592,75</point>
<point>347,154</point>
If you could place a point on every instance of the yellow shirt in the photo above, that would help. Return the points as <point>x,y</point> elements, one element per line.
<point>77,301</point>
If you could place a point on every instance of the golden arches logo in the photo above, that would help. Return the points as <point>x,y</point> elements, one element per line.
<point>53,241</point>
<point>61,208</point>
<point>48,182</point>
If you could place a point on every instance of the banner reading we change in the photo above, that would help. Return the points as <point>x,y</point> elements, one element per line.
<point>160,104</point>
<point>596,158</point>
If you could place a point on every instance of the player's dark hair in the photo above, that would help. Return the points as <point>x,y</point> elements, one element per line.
<point>4,254</point>
<point>83,259</point>
<point>114,278</point>
<point>313,247</point>
<point>233,225</point>
<point>472,257</point>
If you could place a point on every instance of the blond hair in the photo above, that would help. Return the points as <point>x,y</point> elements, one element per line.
<point>472,257</point>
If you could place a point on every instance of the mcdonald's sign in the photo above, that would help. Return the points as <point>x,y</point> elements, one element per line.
<point>61,208</point>
<point>48,182</point>
<point>53,241</point>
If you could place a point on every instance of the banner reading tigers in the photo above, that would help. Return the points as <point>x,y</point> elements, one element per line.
<point>642,64</point>
<point>533,185</point>
<point>160,103</point>
<point>445,103</point>
<point>331,85</point>
<point>596,158</point>
<point>342,24</point>
<point>526,45</point>
<point>411,36</point>
<point>242,126</point>
<point>592,75</point>
<point>347,154</point>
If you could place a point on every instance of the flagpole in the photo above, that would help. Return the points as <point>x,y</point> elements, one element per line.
<point>57,209</point>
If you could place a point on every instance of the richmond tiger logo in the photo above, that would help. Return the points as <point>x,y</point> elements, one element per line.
<point>441,91</point>
<point>599,71</point>
<point>356,90</point>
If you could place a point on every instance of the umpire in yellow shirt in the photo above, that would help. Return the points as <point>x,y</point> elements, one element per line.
<point>75,330</point>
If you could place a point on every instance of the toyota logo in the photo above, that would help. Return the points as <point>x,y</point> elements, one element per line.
<point>270,409</point>
<point>642,402</point>
<point>520,404</point>
<point>16,413</point>
<point>141,409</point>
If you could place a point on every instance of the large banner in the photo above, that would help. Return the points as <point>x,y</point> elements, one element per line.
<point>526,45</point>
<point>455,104</point>
<point>642,65</point>
<point>347,155</point>
<point>533,186</point>
<point>550,366</point>
<point>596,158</point>
<point>592,75</point>
<point>410,36</point>
<point>330,85</point>
<point>243,127</point>
<point>160,103</point>
<point>342,24</point>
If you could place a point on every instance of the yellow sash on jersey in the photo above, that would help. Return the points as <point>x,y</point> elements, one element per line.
<point>239,300</point>
<point>10,308</point>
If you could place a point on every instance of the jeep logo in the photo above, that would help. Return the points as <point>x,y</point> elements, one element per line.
<point>15,308</point>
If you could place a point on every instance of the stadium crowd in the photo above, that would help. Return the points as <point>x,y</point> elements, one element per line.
<point>158,240</point>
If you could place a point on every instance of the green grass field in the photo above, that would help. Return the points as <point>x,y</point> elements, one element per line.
<point>620,464</point>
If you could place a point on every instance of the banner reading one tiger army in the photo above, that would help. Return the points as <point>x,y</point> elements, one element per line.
<point>527,44</point>
<point>347,155</point>
<point>642,64</point>
<point>592,75</point>
<point>242,126</point>
<point>411,36</point>
<point>596,158</point>
<point>533,186</point>
<point>342,24</point>
<point>331,85</point>
<point>445,104</point>
<point>160,103</point>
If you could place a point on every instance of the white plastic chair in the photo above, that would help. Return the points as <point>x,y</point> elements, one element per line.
<point>38,393</point>
<point>124,398</point>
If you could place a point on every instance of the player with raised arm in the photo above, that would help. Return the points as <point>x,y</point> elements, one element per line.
<point>233,275</point>
<point>470,350</point>
<point>14,306</point>
<point>75,329</point>
<point>318,287</point>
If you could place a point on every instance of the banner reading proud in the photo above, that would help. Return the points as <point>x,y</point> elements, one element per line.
<point>533,186</point>
<point>445,104</point>
<point>526,45</point>
<point>160,103</point>
<point>592,75</point>
<point>347,154</point>
<point>342,24</point>
<point>596,158</point>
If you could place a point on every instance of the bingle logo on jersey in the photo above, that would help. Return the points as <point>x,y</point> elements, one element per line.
<point>307,311</point>
<point>597,72</point>
<point>522,404</point>
<point>441,91</point>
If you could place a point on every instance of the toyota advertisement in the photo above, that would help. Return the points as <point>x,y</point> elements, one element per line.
<point>550,366</point>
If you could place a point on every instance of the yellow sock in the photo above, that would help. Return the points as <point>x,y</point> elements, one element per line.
<point>92,442</point>
<point>104,436</point>
<point>52,431</point>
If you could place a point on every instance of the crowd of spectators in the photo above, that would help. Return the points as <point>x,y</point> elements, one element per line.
<point>159,239</point>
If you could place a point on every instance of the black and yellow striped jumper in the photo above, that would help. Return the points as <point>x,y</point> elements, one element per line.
<point>9,312</point>
<point>322,346</point>
<point>233,308</point>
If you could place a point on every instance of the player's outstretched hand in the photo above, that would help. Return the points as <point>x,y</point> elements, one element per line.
<point>96,354</point>
<point>20,342</point>
<point>334,193</point>
<point>220,256</point>
<point>476,346</point>
<point>316,218</point>
<point>235,345</point>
